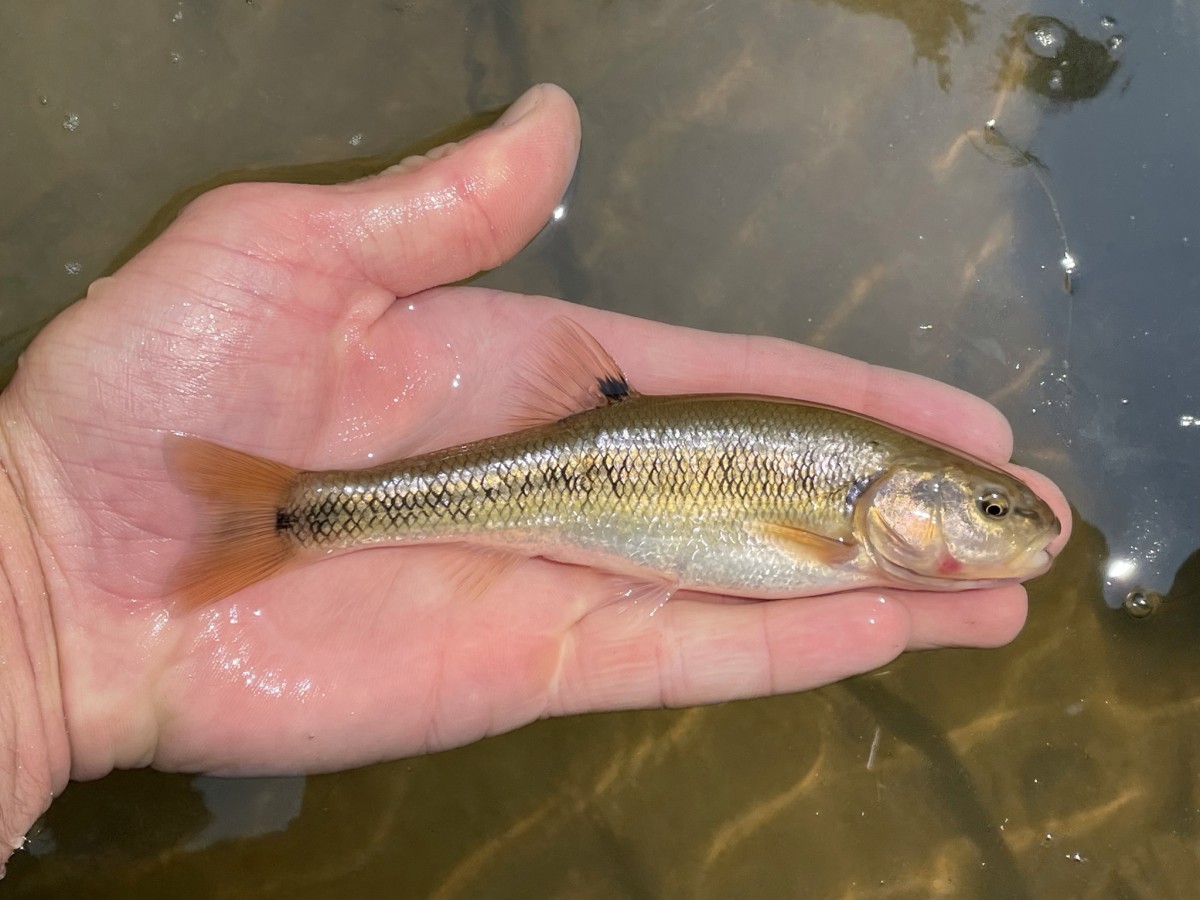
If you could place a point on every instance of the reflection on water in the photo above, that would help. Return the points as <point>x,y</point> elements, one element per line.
<point>794,168</point>
<point>933,27</point>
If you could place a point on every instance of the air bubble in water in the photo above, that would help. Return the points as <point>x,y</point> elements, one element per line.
<point>1047,39</point>
<point>1114,43</point>
<point>71,122</point>
<point>1108,22</point>
<point>74,267</point>
<point>1141,603</point>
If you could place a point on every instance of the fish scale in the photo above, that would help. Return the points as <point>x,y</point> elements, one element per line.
<point>656,481</point>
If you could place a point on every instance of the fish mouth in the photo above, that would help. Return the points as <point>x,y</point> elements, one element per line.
<point>1029,563</point>
<point>1038,550</point>
<point>1041,561</point>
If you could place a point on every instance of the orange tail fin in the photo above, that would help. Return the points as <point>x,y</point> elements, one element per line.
<point>238,541</point>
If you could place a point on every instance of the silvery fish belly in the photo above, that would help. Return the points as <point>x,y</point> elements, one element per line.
<point>750,496</point>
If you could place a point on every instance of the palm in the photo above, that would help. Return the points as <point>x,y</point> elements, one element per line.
<point>367,636</point>
<point>257,323</point>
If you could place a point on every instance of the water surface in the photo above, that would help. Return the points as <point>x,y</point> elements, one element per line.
<point>813,170</point>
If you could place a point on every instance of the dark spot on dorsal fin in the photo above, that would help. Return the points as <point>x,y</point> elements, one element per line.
<point>284,520</point>
<point>614,389</point>
<point>573,374</point>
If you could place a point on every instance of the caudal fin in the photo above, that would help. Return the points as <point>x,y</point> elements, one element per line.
<point>238,540</point>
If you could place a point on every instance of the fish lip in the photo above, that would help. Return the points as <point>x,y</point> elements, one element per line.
<point>1045,561</point>
<point>1058,528</point>
<point>1041,545</point>
<point>1035,560</point>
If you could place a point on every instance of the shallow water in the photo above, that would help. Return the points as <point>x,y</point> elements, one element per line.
<point>814,170</point>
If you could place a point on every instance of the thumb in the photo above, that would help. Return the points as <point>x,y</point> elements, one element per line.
<point>465,207</point>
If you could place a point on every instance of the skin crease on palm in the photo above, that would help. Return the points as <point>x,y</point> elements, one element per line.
<point>308,324</point>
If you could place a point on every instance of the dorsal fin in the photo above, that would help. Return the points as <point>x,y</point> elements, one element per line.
<point>570,373</point>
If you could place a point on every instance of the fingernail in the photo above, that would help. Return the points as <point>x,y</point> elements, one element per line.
<point>521,107</point>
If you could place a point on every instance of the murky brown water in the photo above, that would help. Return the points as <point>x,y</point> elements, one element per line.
<point>813,170</point>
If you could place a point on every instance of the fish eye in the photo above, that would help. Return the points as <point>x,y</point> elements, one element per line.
<point>993,504</point>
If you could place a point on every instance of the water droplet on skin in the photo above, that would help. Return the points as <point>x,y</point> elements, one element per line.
<point>175,57</point>
<point>1108,22</point>
<point>71,122</point>
<point>178,17</point>
<point>1142,604</point>
<point>1114,43</point>
<point>1047,839</point>
<point>43,100</point>
<point>1046,40</point>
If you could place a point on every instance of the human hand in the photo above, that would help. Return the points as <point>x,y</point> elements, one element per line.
<point>306,324</point>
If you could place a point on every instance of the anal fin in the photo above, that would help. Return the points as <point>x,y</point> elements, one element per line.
<point>474,570</point>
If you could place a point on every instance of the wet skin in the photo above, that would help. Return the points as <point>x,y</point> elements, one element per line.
<point>308,324</point>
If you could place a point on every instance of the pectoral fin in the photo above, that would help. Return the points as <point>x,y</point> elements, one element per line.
<point>807,544</point>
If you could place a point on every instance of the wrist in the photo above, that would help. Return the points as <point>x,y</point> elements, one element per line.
<point>35,764</point>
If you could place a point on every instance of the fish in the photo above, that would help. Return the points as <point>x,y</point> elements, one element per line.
<point>738,495</point>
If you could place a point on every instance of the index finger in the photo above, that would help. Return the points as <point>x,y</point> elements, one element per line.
<point>666,359</point>
<point>497,329</point>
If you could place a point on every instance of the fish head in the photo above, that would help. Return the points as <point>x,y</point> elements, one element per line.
<point>934,523</point>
